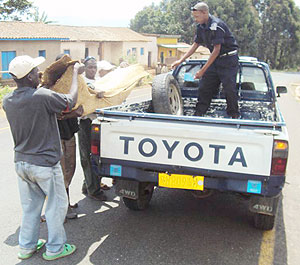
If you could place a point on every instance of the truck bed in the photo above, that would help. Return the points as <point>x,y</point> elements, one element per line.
<point>250,110</point>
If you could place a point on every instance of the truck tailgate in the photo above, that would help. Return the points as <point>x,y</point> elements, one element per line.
<point>217,148</point>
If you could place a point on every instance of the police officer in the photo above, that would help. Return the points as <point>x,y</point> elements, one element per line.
<point>221,66</point>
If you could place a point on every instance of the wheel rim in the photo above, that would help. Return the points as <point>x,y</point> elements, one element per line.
<point>175,100</point>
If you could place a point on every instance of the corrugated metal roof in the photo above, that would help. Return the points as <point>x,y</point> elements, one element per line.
<point>15,30</point>
<point>166,36</point>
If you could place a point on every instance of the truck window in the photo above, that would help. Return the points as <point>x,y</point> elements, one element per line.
<point>253,78</point>
<point>187,73</point>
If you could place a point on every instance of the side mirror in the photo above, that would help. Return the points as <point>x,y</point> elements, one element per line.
<point>280,90</point>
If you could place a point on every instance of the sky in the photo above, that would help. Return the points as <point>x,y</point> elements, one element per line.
<point>109,13</point>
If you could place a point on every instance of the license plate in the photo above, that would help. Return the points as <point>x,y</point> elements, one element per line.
<point>178,181</point>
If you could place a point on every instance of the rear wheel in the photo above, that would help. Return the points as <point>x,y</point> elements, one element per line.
<point>145,195</point>
<point>263,221</point>
<point>166,95</point>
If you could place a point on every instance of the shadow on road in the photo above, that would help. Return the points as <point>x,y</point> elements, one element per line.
<point>176,229</point>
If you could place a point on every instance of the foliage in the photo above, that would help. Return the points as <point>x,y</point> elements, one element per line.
<point>3,92</point>
<point>242,19</point>
<point>267,29</point>
<point>279,41</point>
<point>14,9</point>
<point>37,17</point>
<point>131,59</point>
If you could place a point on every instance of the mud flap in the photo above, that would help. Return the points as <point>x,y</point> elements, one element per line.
<point>264,205</point>
<point>127,188</point>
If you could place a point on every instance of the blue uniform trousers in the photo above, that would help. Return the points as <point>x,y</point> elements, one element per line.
<point>223,70</point>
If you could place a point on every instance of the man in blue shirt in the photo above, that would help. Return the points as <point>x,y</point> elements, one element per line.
<point>222,65</point>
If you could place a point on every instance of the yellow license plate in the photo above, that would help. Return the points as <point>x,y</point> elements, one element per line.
<point>178,181</point>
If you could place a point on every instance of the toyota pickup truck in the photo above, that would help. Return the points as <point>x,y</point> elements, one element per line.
<point>160,143</point>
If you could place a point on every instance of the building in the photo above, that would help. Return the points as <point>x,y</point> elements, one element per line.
<point>201,53</point>
<point>104,43</point>
<point>170,50</point>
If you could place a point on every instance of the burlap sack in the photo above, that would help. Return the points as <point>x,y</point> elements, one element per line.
<point>116,85</point>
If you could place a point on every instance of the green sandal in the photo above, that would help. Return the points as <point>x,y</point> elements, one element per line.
<point>39,245</point>
<point>68,250</point>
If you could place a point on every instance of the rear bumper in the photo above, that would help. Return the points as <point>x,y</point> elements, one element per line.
<point>269,186</point>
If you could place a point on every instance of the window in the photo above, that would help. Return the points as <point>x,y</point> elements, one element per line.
<point>133,51</point>
<point>67,52</point>
<point>42,53</point>
<point>128,52</point>
<point>142,51</point>
<point>253,78</point>
<point>187,73</point>
<point>170,53</point>
<point>6,58</point>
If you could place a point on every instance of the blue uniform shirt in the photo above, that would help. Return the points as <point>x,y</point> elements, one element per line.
<point>213,33</point>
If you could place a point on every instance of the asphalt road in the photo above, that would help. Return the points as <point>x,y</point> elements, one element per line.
<point>176,229</point>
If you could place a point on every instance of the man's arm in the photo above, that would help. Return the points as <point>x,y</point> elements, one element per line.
<point>187,55</point>
<point>74,86</point>
<point>215,53</point>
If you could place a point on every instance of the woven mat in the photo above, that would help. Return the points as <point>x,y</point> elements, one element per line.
<point>116,85</point>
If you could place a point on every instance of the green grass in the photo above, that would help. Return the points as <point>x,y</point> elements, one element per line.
<point>4,90</point>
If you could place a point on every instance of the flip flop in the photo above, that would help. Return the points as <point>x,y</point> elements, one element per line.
<point>39,245</point>
<point>68,250</point>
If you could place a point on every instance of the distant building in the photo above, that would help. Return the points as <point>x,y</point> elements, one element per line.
<point>48,40</point>
<point>170,50</point>
<point>201,53</point>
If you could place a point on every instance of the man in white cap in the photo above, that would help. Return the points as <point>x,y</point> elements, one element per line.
<point>104,67</point>
<point>222,65</point>
<point>31,113</point>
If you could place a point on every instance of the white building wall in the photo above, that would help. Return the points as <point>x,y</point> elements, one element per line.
<point>76,49</point>
<point>32,49</point>
<point>153,49</point>
<point>133,49</point>
<point>93,49</point>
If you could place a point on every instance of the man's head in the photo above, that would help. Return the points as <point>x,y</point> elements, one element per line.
<point>90,64</point>
<point>24,70</point>
<point>200,12</point>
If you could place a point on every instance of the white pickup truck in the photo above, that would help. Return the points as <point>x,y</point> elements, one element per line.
<point>159,143</point>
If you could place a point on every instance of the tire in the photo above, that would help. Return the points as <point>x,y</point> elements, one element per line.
<point>263,221</point>
<point>142,203</point>
<point>166,95</point>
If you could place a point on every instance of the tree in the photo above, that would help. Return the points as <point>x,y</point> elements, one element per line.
<point>41,18</point>
<point>279,41</point>
<point>152,19</point>
<point>14,9</point>
<point>174,17</point>
<point>267,29</point>
<point>242,19</point>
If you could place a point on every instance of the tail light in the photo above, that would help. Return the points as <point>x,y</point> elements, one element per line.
<point>95,139</point>
<point>279,157</point>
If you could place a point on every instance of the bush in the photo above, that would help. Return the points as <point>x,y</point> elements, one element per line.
<point>4,90</point>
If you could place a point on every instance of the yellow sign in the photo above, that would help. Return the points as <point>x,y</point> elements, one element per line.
<point>178,181</point>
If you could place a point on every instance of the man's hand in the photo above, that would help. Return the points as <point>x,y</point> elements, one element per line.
<point>100,94</point>
<point>175,64</point>
<point>199,74</point>
<point>73,114</point>
<point>79,68</point>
